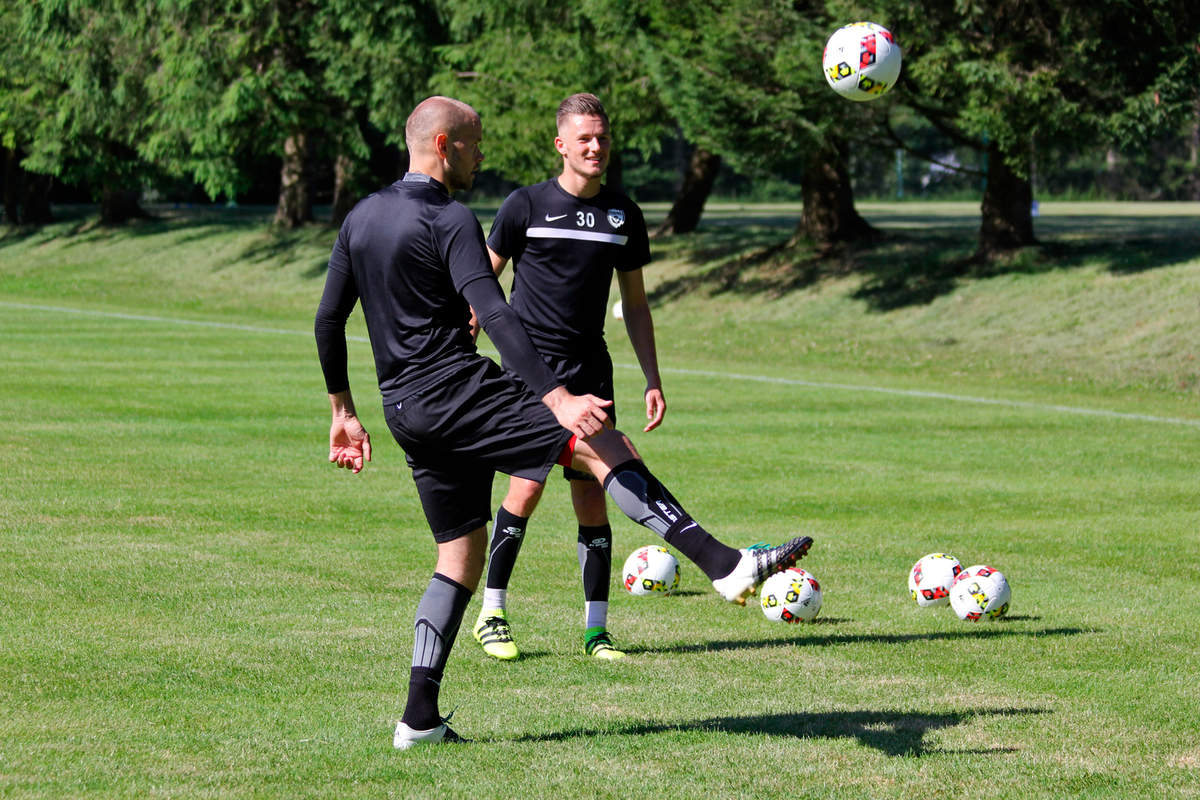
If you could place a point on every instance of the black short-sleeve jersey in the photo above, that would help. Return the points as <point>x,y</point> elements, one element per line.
<point>564,249</point>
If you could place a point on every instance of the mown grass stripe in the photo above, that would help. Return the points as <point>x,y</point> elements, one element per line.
<point>843,387</point>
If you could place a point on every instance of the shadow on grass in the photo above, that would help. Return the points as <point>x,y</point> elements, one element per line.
<point>263,243</point>
<point>917,259</point>
<point>894,733</point>
<point>830,639</point>
<point>278,246</point>
<point>897,268</point>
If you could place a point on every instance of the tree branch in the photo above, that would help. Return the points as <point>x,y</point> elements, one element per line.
<point>891,134</point>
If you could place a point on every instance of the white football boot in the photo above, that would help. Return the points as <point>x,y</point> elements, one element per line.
<point>756,565</point>
<point>406,737</point>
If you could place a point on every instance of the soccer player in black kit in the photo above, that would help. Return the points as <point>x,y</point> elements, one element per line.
<point>566,237</point>
<point>416,261</point>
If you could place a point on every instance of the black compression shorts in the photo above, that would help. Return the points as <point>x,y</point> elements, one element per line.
<point>460,432</point>
<point>593,375</point>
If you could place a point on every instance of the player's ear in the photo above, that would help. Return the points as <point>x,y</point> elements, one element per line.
<point>441,144</point>
<point>560,145</point>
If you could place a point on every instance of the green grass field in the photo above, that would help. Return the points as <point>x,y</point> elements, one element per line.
<point>193,603</point>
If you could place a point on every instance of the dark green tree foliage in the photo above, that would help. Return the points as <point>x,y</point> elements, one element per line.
<point>747,85</point>
<point>1030,81</point>
<point>79,98</point>
<point>377,60</point>
<point>1158,127</point>
<point>25,194</point>
<point>302,81</point>
<point>515,62</point>
<point>241,78</point>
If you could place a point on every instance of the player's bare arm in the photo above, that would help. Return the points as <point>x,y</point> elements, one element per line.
<point>498,262</point>
<point>640,327</point>
<point>349,442</point>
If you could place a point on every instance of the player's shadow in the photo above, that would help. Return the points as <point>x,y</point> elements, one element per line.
<point>894,733</point>
<point>825,640</point>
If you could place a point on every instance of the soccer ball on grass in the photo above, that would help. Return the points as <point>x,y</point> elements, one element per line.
<point>980,591</point>
<point>930,579</point>
<point>792,595</point>
<point>651,571</point>
<point>861,61</point>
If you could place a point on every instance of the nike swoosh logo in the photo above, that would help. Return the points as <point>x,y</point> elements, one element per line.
<point>553,219</point>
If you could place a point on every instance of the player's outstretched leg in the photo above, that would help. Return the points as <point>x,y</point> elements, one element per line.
<point>735,574</point>
<point>756,565</point>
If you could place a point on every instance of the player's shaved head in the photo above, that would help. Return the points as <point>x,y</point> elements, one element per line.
<point>432,116</point>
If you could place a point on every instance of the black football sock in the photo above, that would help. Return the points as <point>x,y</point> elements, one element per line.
<point>439,614</point>
<point>595,561</point>
<point>508,532</point>
<point>647,502</point>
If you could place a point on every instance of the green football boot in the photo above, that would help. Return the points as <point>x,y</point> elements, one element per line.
<point>598,644</point>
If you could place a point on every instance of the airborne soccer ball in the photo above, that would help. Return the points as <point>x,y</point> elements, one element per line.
<point>930,578</point>
<point>862,61</point>
<point>792,595</point>
<point>651,570</point>
<point>980,591</point>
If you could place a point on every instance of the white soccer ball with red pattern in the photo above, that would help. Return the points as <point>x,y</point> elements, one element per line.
<point>930,579</point>
<point>651,571</point>
<point>792,595</point>
<point>980,591</point>
<point>861,61</point>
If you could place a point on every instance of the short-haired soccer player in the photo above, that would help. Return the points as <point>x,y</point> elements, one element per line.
<point>566,237</point>
<point>416,261</point>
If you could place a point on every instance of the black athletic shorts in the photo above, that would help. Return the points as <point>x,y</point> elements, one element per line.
<point>591,375</point>
<point>457,434</point>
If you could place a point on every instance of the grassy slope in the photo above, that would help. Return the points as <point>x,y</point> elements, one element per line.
<point>195,606</point>
<point>1111,302</point>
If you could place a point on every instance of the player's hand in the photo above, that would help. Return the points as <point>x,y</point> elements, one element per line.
<point>349,443</point>
<point>656,408</point>
<point>581,414</point>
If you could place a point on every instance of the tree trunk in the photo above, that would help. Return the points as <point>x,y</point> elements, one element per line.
<point>1192,185</point>
<point>118,206</point>
<point>295,199</point>
<point>829,216</point>
<point>26,194</point>
<point>1007,208</point>
<point>698,177</point>
<point>12,186</point>
<point>344,194</point>
<point>614,176</point>
<point>387,162</point>
<point>37,199</point>
<point>35,202</point>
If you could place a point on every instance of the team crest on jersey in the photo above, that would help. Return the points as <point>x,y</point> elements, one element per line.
<point>616,217</point>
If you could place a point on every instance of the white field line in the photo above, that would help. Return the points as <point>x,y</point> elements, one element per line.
<point>925,395</point>
<point>841,387</point>
<point>200,323</point>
